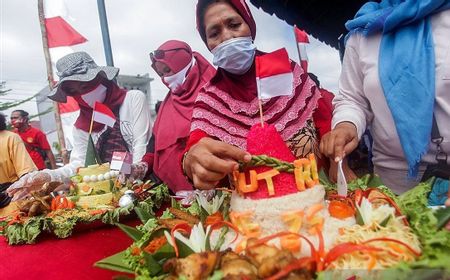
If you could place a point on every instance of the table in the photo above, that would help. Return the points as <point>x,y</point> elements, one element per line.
<point>70,258</point>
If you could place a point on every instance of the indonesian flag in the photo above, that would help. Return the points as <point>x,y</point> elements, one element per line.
<point>302,39</point>
<point>273,74</point>
<point>69,113</point>
<point>61,35</point>
<point>102,114</point>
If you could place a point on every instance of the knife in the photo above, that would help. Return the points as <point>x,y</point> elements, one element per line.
<point>342,187</point>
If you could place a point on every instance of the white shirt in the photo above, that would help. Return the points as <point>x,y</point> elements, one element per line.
<point>361,101</point>
<point>135,126</point>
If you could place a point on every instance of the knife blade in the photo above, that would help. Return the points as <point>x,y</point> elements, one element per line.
<point>342,187</point>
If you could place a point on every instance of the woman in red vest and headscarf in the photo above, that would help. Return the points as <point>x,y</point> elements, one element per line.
<point>184,72</point>
<point>227,106</point>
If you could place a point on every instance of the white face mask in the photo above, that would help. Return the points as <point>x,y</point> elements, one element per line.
<point>175,81</point>
<point>97,94</point>
<point>235,55</point>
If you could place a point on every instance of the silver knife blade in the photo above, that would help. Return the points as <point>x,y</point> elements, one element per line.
<point>342,187</point>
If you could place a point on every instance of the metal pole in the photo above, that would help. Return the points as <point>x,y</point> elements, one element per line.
<point>59,128</point>
<point>341,45</point>
<point>105,32</point>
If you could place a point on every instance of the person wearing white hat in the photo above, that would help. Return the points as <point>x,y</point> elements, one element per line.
<point>88,83</point>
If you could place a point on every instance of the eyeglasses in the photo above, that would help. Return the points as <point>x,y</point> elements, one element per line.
<point>160,54</point>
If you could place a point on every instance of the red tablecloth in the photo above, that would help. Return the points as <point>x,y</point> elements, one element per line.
<point>71,258</point>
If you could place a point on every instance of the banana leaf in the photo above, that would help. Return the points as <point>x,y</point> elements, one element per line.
<point>443,216</point>
<point>131,232</point>
<point>143,215</point>
<point>115,263</point>
<point>153,266</point>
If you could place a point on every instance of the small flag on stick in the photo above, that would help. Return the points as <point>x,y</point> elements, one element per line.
<point>102,114</point>
<point>273,74</point>
<point>302,39</point>
<point>121,161</point>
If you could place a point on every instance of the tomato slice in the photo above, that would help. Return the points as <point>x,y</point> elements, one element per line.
<point>340,210</point>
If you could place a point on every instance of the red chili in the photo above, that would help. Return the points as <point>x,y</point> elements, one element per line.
<point>395,241</point>
<point>357,196</point>
<point>214,218</point>
<point>55,202</point>
<point>389,200</point>
<point>314,253</point>
<point>64,203</point>
<point>346,248</point>
<point>185,227</point>
<point>15,220</point>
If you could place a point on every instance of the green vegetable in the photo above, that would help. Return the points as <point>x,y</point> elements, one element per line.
<point>435,242</point>
<point>63,225</point>
<point>359,218</point>
<point>153,266</point>
<point>443,217</point>
<point>363,183</point>
<point>143,215</point>
<point>221,239</point>
<point>76,179</point>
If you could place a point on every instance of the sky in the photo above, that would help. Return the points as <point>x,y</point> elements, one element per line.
<point>136,27</point>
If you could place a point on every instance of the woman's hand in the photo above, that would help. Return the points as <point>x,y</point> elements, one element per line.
<point>209,161</point>
<point>341,141</point>
<point>138,172</point>
<point>27,183</point>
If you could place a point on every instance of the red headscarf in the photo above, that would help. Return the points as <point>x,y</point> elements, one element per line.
<point>176,55</point>
<point>171,128</point>
<point>227,107</point>
<point>239,5</point>
<point>114,99</point>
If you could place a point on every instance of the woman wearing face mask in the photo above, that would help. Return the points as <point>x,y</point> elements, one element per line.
<point>184,72</point>
<point>85,81</point>
<point>228,106</point>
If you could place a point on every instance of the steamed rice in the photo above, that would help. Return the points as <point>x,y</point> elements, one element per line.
<point>267,213</point>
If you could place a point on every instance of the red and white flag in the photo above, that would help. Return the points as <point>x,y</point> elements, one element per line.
<point>69,113</point>
<point>302,40</point>
<point>61,35</point>
<point>273,74</point>
<point>121,161</point>
<point>102,114</point>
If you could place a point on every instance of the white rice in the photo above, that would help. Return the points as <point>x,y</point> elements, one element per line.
<point>267,214</point>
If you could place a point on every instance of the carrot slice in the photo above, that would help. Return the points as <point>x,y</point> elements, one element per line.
<point>242,184</point>
<point>346,248</point>
<point>313,210</point>
<point>386,239</point>
<point>372,262</point>
<point>213,219</point>
<point>268,177</point>
<point>291,243</point>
